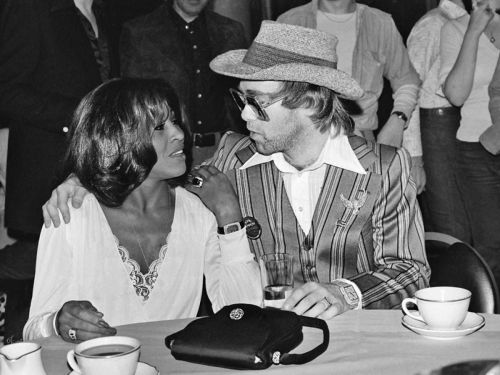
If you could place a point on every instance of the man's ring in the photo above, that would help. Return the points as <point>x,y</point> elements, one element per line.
<point>326,303</point>
<point>197,182</point>
<point>72,334</point>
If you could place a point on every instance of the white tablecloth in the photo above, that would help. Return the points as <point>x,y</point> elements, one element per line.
<point>361,342</point>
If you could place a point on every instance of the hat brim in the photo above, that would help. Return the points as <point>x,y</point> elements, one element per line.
<point>231,64</point>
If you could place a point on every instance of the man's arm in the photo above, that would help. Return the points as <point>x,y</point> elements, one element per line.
<point>20,48</point>
<point>401,266</point>
<point>404,82</point>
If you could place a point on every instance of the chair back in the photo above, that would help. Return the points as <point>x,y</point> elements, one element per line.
<point>455,263</point>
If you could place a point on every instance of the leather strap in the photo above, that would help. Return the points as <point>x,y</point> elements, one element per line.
<point>298,359</point>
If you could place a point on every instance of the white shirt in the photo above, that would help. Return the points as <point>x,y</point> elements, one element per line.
<point>82,261</point>
<point>475,114</point>
<point>343,26</point>
<point>423,49</point>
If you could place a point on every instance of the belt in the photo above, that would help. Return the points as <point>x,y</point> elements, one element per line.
<point>440,111</point>
<point>205,139</point>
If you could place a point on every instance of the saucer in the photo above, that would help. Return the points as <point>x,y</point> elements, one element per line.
<point>142,369</point>
<point>471,324</point>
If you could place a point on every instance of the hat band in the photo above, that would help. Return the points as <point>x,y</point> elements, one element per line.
<point>264,56</point>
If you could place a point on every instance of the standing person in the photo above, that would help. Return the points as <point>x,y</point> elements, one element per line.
<point>370,48</point>
<point>490,138</point>
<point>469,54</point>
<point>442,206</point>
<point>343,206</point>
<point>139,247</point>
<point>176,42</point>
<point>52,52</point>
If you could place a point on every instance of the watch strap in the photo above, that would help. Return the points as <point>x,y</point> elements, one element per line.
<point>231,227</point>
<point>402,116</point>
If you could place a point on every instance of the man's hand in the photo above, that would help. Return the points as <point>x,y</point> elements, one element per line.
<point>217,193</point>
<point>71,188</point>
<point>392,132</point>
<point>418,173</point>
<point>84,319</point>
<point>317,300</point>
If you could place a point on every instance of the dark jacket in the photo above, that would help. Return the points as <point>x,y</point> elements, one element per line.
<point>46,66</point>
<point>154,46</point>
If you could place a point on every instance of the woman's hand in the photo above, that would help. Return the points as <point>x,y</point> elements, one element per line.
<point>84,319</point>
<point>217,193</point>
<point>480,17</point>
<point>70,188</point>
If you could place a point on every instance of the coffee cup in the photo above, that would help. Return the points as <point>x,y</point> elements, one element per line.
<point>112,355</point>
<point>443,308</point>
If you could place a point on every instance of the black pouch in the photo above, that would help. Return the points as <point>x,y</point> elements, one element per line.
<point>242,336</point>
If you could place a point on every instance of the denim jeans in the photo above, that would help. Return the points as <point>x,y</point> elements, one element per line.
<point>479,178</point>
<point>442,206</point>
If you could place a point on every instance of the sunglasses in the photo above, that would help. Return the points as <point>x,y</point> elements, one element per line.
<point>243,100</point>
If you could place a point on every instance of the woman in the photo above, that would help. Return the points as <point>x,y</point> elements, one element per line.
<point>138,248</point>
<point>469,53</point>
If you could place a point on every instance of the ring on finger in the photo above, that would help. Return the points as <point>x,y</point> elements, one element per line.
<point>197,182</point>
<point>326,303</point>
<point>72,334</point>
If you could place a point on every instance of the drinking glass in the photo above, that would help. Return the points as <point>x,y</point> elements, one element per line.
<point>276,271</point>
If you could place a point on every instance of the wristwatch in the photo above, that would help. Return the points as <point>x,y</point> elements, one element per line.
<point>349,293</point>
<point>231,227</point>
<point>402,116</point>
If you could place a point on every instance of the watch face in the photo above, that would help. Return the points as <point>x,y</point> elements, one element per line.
<point>232,228</point>
<point>253,228</point>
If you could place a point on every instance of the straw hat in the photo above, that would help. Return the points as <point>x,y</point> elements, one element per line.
<point>282,52</point>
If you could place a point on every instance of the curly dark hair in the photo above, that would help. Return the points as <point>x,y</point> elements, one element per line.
<point>110,142</point>
<point>329,109</point>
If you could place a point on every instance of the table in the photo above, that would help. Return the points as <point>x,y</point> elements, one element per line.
<point>361,342</point>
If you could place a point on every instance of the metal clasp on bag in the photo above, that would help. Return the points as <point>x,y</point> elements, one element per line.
<point>236,314</point>
<point>276,358</point>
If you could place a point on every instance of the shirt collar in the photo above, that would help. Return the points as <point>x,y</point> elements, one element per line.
<point>337,152</point>
<point>451,10</point>
<point>179,21</point>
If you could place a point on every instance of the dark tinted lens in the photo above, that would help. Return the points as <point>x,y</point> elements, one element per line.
<point>238,99</point>
<point>256,107</point>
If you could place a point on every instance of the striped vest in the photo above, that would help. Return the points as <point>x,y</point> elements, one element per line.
<point>340,243</point>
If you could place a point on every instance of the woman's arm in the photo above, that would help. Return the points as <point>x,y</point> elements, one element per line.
<point>55,284</point>
<point>231,272</point>
<point>458,84</point>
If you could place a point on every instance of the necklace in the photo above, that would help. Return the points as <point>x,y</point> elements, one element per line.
<point>336,21</point>
<point>137,238</point>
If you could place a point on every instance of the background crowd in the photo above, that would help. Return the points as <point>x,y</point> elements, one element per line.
<point>54,52</point>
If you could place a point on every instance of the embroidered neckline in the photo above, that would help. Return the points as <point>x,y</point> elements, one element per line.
<point>142,283</point>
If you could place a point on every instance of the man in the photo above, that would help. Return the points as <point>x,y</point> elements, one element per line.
<point>343,206</point>
<point>176,42</point>
<point>52,52</point>
<point>438,121</point>
<point>370,48</point>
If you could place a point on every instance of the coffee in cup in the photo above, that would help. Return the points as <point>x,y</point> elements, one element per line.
<point>442,308</point>
<point>112,355</point>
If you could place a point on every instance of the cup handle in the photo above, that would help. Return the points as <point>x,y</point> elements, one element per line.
<point>408,312</point>
<point>72,363</point>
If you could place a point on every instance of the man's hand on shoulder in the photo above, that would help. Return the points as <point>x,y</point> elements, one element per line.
<point>318,300</point>
<point>72,189</point>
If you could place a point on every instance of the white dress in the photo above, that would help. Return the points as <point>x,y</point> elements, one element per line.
<point>82,260</point>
